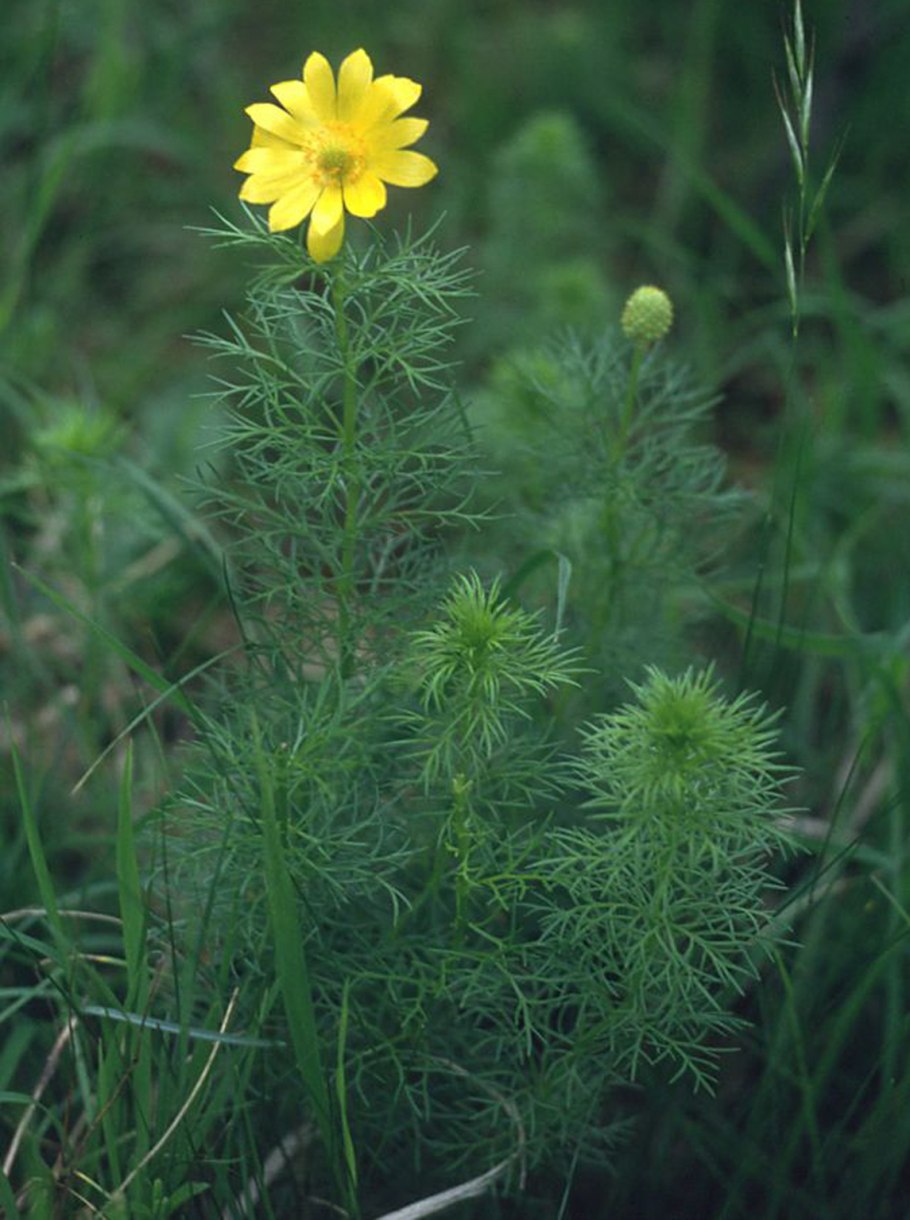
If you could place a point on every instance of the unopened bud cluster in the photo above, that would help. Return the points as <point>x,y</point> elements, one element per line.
<point>647,315</point>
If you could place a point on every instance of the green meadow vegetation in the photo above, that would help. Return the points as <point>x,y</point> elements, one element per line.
<point>455,734</point>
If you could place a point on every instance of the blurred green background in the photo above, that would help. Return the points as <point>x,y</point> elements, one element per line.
<point>119,122</point>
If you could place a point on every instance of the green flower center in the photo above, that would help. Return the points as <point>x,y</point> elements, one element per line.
<point>336,162</point>
<point>338,158</point>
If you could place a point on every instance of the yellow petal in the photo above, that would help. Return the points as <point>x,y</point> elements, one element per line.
<point>293,207</point>
<point>323,246</point>
<point>366,196</point>
<point>295,98</point>
<point>272,161</point>
<point>320,83</point>
<point>265,139</point>
<point>387,98</point>
<point>403,168</point>
<point>329,207</point>
<point>401,93</point>
<point>262,188</point>
<point>259,190</point>
<point>397,134</point>
<point>273,119</point>
<point>355,77</point>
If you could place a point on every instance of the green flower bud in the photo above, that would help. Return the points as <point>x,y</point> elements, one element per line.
<point>647,315</point>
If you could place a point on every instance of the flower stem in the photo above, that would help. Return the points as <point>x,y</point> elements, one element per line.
<point>625,420</point>
<point>350,478</point>
<point>610,519</point>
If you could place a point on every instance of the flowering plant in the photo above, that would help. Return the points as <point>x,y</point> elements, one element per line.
<point>326,150</point>
<point>465,876</point>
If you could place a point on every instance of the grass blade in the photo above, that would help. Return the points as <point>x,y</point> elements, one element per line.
<point>291,969</point>
<point>132,914</point>
<point>36,851</point>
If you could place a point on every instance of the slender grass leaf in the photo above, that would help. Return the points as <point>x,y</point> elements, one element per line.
<point>290,959</point>
<point>142,716</point>
<point>819,199</point>
<point>8,1205</point>
<point>799,32</point>
<point>805,112</point>
<point>341,1092</point>
<point>192,1032</point>
<point>36,852</point>
<point>132,914</point>
<point>792,70</point>
<point>795,150</point>
<point>132,911</point>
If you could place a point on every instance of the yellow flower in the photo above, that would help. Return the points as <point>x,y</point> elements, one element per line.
<point>324,150</point>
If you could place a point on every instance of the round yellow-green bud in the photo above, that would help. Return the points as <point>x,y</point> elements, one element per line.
<point>647,315</point>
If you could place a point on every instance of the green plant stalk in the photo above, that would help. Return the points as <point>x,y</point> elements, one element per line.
<point>618,446</point>
<point>461,846</point>
<point>454,843</point>
<point>348,439</point>
<point>625,421</point>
